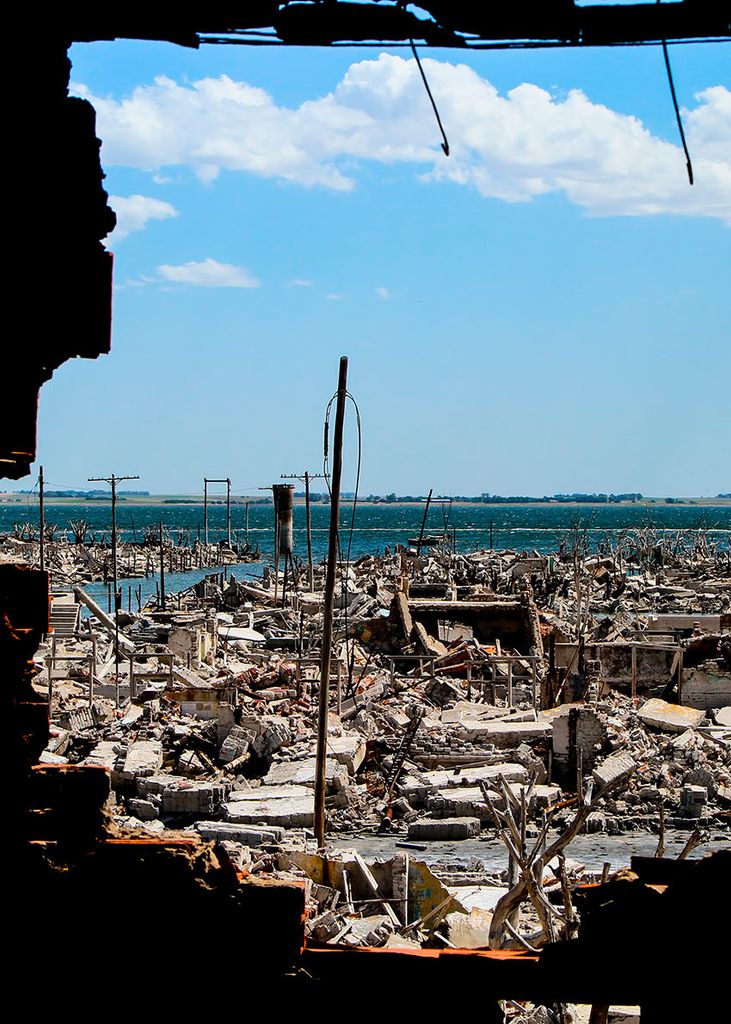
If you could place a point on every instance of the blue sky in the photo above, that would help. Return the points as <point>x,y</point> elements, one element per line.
<point>545,310</point>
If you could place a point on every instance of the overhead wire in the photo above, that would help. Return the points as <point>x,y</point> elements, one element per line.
<point>345,560</point>
<point>445,142</point>
<point>676,108</point>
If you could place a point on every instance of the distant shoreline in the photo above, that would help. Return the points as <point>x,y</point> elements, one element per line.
<point>182,500</point>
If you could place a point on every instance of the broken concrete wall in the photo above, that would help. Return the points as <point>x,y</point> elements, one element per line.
<point>506,620</point>
<point>655,665</point>
<point>705,689</point>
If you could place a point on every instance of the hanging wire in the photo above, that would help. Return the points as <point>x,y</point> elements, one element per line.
<point>676,108</point>
<point>445,143</point>
<point>344,560</point>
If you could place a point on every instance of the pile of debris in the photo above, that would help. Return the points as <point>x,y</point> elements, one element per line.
<point>78,555</point>
<point>466,690</point>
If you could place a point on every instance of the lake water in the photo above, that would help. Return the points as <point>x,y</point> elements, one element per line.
<point>539,528</point>
<point>593,851</point>
<point>525,527</point>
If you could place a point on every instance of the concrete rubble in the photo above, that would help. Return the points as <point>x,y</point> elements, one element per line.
<point>461,685</point>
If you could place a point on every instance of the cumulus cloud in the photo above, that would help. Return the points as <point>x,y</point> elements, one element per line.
<point>513,147</point>
<point>208,273</point>
<point>133,213</point>
<point>383,293</point>
<point>300,282</point>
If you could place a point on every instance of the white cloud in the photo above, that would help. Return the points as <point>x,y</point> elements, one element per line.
<point>708,126</point>
<point>383,293</point>
<point>514,147</point>
<point>133,213</point>
<point>300,282</point>
<point>334,297</point>
<point>209,273</point>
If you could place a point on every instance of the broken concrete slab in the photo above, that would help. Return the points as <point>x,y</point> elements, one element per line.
<point>237,832</point>
<point>145,810</point>
<point>723,717</point>
<point>465,711</point>
<point>180,795</point>
<point>417,790</point>
<point>469,931</point>
<point>478,897</point>
<point>613,768</point>
<point>445,828</point>
<point>505,734</point>
<point>288,806</point>
<point>201,798</point>
<point>396,941</point>
<point>462,802</point>
<point>303,773</point>
<point>273,734</point>
<point>365,931</point>
<point>470,801</point>
<point>348,750</point>
<point>103,754</point>
<point>546,795</point>
<point>482,773</point>
<point>144,757</point>
<point>658,714</point>
<point>235,744</point>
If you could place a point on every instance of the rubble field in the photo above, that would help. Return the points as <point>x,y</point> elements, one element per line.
<point>498,696</point>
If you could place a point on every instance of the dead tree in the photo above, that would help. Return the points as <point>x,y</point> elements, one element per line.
<point>511,828</point>
<point>79,529</point>
<point>24,531</point>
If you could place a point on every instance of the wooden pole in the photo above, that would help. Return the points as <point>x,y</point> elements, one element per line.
<point>327,629</point>
<point>246,535</point>
<point>228,512</point>
<point>116,646</point>
<point>205,511</point>
<point>42,523</point>
<point>309,532</point>
<point>114,532</point>
<point>162,571</point>
<point>307,479</point>
<point>113,480</point>
<point>276,556</point>
<point>423,521</point>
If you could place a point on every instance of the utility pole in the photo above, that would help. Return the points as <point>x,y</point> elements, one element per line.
<point>162,570</point>
<point>42,523</point>
<point>327,628</point>
<point>205,511</point>
<point>306,477</point>
<point>113,481</point>
<point>210,480</point>
<point>423,522</point>
<point>228,512</point>
<point>276,541</point>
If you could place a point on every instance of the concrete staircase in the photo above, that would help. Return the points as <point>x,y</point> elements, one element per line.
<point>64,617</point>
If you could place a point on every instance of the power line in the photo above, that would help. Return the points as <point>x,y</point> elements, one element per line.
<point>112,480</point>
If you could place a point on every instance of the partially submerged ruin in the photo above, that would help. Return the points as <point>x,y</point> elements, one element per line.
<point>468,688</point>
